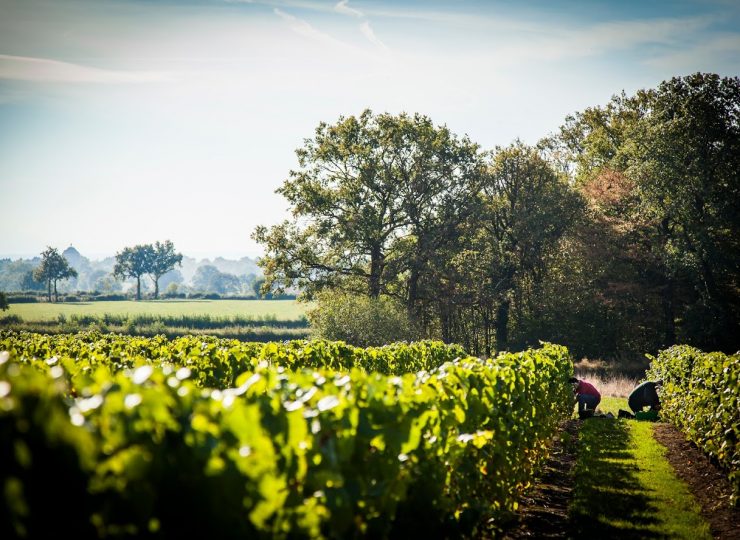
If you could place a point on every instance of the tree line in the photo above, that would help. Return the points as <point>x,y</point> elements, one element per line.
<point>617,234</point>
<point>154,260</point>
<point>96,277</point>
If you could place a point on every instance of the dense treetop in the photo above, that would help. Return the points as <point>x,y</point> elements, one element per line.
<point>618,233</point>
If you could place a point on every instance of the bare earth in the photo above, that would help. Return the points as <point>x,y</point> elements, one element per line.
<point>707,482</point>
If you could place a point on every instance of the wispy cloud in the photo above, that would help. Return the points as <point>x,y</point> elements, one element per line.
<point>545,42</point>
<point>627,34</point>
<point>702,54</point>
<point>25,68</point>
<point>367,31</point>
<point>343,8</point>
<point>305,29</point>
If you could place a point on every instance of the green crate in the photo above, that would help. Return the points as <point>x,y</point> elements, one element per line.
<point>652,416</point>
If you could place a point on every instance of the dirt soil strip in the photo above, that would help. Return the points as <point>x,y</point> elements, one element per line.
<point>543,512</point>
<point>707,482</point>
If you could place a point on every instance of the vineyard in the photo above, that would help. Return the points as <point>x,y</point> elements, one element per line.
<point>702,398</point>
<point>116,436</point>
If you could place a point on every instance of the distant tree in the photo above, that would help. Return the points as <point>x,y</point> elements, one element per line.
<point>53,267</point>
<point>3,302</point>
<point>208,278</point>
<point>257,286</point>
<point>171,277</point>
<point>163,260</point>
<point>134,262</point>
<point>172,289</point>
<point>203,277</point>
<point>18,276</point>
<point>227,283</point>
<point>106,283</point>
<point>28,283</point>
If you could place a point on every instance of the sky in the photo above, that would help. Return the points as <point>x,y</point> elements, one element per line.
<point>130,121</point>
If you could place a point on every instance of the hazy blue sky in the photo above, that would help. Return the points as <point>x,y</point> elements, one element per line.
<point>130,121</point>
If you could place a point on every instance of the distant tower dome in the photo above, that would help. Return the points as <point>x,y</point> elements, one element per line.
<point>71,252</point>
<point>73,257</point>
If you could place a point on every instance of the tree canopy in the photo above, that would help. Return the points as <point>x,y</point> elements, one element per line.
<point>617,235</point>
<point>662,170</point>
<point>366,189</point>
<point>163,260</point>
<point>53,267</point>
<point>155,260</point>
<point>134,262</point>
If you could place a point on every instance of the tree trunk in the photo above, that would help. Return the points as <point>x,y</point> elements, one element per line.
<point>376,271</point>
<point>48,286</point>
<point>487,331</point>
<point>413,293</point>
<point>444,321</point>
<point>502,324</point>
<point>156,288</point>
<point>138,287</point>
<point>56,295</point>
<point>669,319</point>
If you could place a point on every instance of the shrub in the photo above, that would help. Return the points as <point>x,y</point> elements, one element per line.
<point>11,319</point>
<point>108,297</point>
<point>205,296</point>
<point>360,320</point>
<point>22,299</point>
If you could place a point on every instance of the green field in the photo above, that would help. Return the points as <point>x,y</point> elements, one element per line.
<point>280,309</point>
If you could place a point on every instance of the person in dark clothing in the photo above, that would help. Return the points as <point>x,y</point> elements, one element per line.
<point>645,395</point>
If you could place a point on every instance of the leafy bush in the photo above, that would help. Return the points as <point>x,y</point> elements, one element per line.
<point>360,320</point>
<point>701,396</point>
<point>9,320</point>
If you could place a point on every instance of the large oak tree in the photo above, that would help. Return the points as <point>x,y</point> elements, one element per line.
<point>372,197</point>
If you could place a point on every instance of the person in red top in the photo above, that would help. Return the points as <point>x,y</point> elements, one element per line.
<point>587,395</point>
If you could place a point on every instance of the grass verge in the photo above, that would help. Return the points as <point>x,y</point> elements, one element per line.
<point>625,487</point>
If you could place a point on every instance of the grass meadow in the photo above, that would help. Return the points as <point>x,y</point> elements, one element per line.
<point>282,310</point>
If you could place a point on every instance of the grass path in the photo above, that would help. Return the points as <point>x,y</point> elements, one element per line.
<point>626,488</point>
